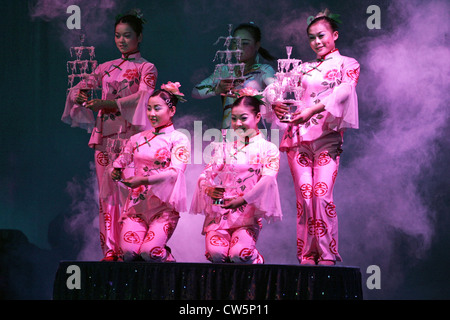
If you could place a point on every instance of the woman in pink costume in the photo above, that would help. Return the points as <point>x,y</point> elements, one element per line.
<point>126,85</point>
<point>247,169</point>
<point>157,191</point>
<point>314,137</point>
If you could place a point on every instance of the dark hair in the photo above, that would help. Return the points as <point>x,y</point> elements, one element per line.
<point>334,26</point>
<point>248,101</point>
<point>256,34</point>
<point>170,99</point>
<point>133,21</point>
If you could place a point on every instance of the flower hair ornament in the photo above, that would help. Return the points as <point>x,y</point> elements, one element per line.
<point>173,88</point>
<point>250,92</point>
<point>324,13</point>
<point>134,12</point>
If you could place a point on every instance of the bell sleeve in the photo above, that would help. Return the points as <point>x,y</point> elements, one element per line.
<point>264,195</point>
<point>172,188</point>
<point>125,158</point>
<point>134,107</point>
<point>342,103</point>
<point>201,202</point>
<point>75,114</point>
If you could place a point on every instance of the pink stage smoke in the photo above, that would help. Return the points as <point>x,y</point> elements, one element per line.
<point>384,221</point>
<point>83,221</point>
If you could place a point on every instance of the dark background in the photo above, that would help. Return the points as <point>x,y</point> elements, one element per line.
<point>399,156</point>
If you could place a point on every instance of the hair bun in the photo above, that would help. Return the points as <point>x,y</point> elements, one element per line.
<point>324,13</point>
<point>134,12</point>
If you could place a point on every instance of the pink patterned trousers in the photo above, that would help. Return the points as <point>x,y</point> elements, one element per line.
<point>109,214</point>
<point>148,239</point>
<point>235,245</point>
<point>314,166</point>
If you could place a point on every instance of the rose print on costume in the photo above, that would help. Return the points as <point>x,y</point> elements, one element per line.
<point>162,154</point>
<point>138,193</point>
<point>162,157</point>
<point>131,74</point>
<point>333,75</point>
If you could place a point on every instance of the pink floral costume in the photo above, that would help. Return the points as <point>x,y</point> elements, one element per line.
<point>313,151</point>
<point>151,212</point>
<point>129,81</point>
<point>248,170</point>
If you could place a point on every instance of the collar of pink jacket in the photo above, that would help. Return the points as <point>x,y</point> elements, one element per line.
<point>163,129</point>
<point>131,56</point>
<point>322,58</point>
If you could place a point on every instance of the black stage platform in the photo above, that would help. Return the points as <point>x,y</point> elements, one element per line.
<point>204,281</point>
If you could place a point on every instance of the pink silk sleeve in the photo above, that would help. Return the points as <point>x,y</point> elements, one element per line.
<point>342,103</point>
<point>172,190</point>
<point>264,195</point>
<point>76,115</point>
<point>134,107</point>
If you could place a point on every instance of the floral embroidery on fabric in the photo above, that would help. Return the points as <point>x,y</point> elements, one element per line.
<point>333,75</point>
<point>131,74</point>
<point>162,157</point>
<point>138,194</point>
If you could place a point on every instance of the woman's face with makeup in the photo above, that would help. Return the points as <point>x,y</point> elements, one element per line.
<point>322,38</point>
